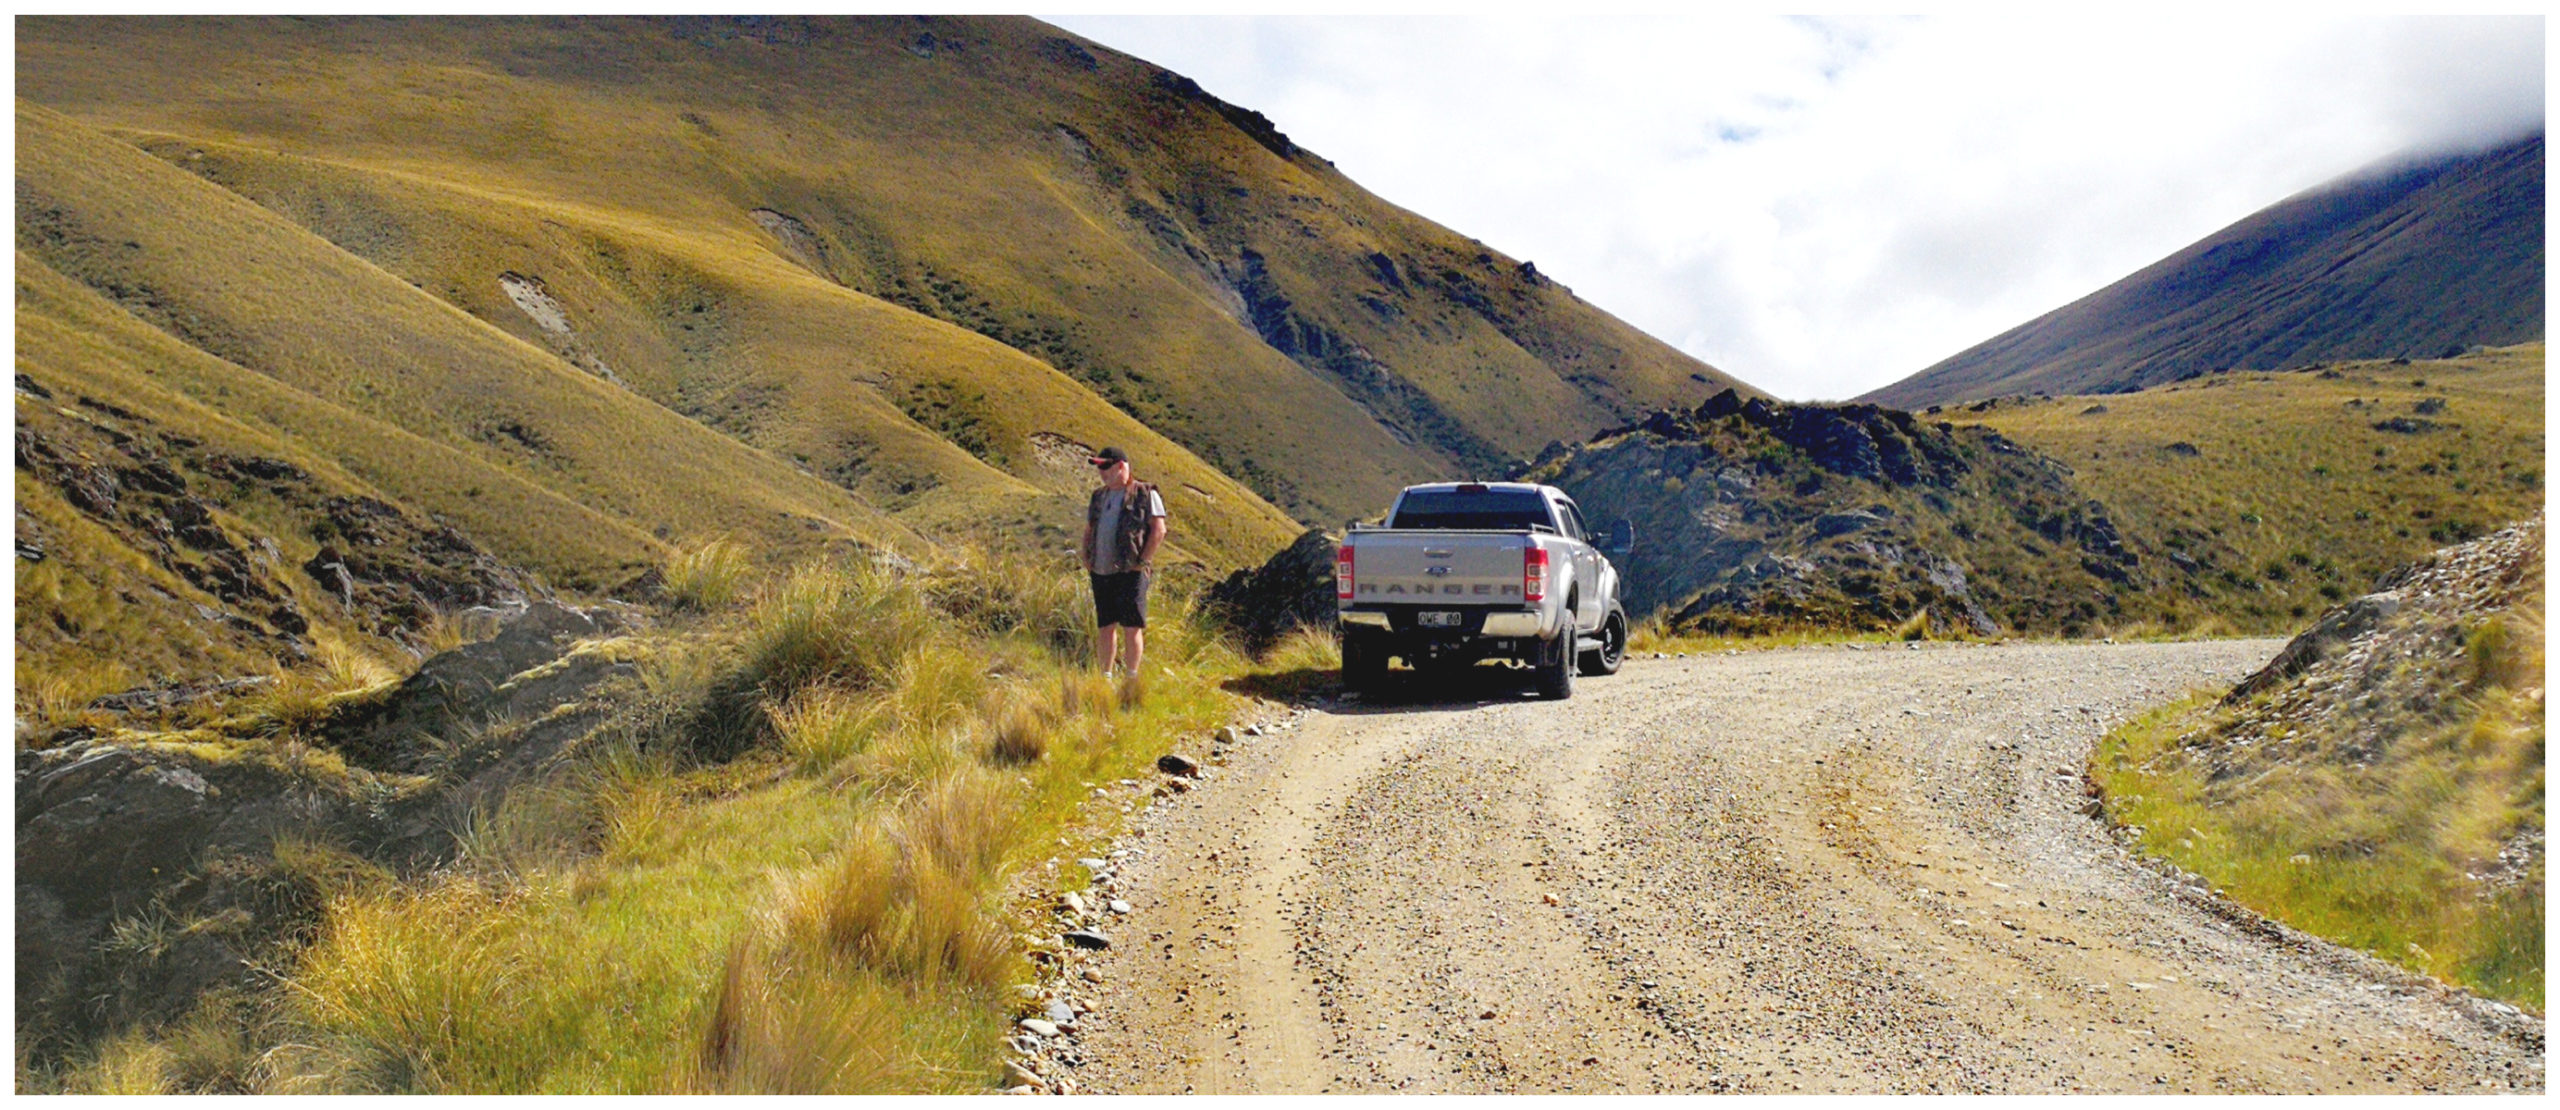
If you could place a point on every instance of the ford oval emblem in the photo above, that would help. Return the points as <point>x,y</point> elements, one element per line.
<point>1437,571</point>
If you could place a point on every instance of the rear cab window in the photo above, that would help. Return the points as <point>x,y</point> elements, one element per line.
<point>1480,509</point>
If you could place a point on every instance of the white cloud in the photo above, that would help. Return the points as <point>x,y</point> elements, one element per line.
<point>1825,206</point>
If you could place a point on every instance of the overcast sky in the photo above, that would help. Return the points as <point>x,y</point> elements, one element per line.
<point>1822,206</point>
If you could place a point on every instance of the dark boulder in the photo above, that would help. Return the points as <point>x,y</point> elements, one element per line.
<point>1293,589</point>
<point>2335,629</point>
<point>2406,425</point>
<point>476,684</point>
<point>1724,404</point>
<point>1855,520</point>
<point>1834,440</point>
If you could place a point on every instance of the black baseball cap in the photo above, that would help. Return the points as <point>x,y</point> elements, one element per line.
<point>1109,455</point>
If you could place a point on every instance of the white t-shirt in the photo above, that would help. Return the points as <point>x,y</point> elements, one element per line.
<point>1106,554</point>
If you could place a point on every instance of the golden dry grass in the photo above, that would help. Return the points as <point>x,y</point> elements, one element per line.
<point>932,202</point>
<point>708,575</point>
<point>2396,851</point>
<point>2283,487</point>
<point>818,914</point>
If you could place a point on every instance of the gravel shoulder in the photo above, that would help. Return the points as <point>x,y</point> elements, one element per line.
<point>1820,870</point>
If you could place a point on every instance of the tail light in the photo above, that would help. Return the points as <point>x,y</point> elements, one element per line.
<point>1533,573</point>
<point>1342,573</point>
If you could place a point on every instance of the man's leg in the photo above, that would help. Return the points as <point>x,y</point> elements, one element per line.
<point>1106,646</point>
<point>1133,646</point>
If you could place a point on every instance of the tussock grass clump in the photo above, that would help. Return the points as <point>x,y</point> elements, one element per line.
<point>300,703</point>
<point>1087,693</point>
<point>126,1064</point>
<point>59,696</point>
<point>824,726</point>
<point>1306,649</point>
<point>780,1028</point>
<point>828,623</point>
<point>707,575</point>
<point>1008,593</point>
<point>1018,725</point>
<point>904,896</point>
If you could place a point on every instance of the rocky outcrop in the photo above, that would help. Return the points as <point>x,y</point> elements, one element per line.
<point>2335,629</point>
<point>1291,590</point>
<point>208,518</point>
<point>1754,515</point>
<point>148,864</point>
<point>2410,635</point>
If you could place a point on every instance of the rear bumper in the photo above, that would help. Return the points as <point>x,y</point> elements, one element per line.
<point>1509,624</point>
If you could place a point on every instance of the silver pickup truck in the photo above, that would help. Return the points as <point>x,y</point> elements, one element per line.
<point>1465,571</point>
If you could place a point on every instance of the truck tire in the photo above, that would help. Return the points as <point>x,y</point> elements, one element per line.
<point>1555,666</point>
<point>1364,662</point>
<point>1604,656</point>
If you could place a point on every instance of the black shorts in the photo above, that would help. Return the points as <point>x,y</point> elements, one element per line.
<point>1120,599</point>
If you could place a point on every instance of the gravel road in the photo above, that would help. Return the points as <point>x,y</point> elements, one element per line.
<point>1820,870</point>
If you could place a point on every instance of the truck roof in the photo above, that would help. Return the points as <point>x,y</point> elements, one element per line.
<point>1504,487</point>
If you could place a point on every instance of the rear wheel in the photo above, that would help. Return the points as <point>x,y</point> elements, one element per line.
<point>1364,662</point>
<point>1603,657</point>
<point>1555,666</point>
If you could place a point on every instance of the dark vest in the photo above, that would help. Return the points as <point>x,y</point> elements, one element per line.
<point>1134,502</point>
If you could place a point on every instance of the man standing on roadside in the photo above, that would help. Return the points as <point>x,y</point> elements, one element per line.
<point>1122,528</point>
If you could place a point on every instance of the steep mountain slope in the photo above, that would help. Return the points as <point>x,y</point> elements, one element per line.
<point>211,361</point>
<point>2399,260</point>
<point>757,222</point>
<point>201,383</point>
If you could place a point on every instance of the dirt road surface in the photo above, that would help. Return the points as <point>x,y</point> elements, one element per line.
<point>1821,870</point>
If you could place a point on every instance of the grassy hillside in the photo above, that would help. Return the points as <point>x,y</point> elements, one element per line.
<point>184,354</point>
<point>2244,502</point>
<point>2290,491</point>
<point>2381,783</point>
<point>2397,260</point>
<point>766,846</point>
<point>767,224</point>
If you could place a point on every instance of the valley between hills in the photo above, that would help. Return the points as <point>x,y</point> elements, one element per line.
<point>543,565</point>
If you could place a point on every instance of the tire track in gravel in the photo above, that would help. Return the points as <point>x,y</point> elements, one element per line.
<point>1815,870</point>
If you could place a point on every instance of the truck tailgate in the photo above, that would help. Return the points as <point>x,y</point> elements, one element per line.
<point>1461,568</point>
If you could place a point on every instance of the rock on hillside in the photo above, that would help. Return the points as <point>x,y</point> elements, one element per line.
<point>2381,781</point>
<point>154,866</point>
<point>215,560</point>
<point>1752,515</point>
<point>1293,589</point>
<point>2386,665</point>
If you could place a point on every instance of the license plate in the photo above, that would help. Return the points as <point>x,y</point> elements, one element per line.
<point>1435,618</point>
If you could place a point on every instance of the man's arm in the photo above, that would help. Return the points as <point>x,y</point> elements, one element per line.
<point>1084,550</point>
<point>1155,536</point>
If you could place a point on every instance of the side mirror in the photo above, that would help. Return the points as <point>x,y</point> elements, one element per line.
<point>1622,539</point>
